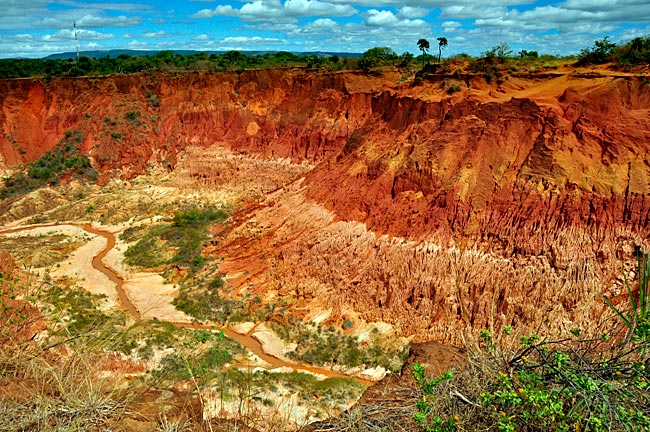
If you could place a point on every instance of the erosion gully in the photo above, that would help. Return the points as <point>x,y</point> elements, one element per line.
<point>246,340</point>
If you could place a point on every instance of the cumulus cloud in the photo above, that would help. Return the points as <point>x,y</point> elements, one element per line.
<point>450,26</point>
<point>202,37</point>
<point>220,10</point>
<point>136,44</point>
<point>249,42</point>
<point>583,19</point>
<point>92,21</point>
<point>66,35</point>
<point>408,12</point>
<point>381,18</point>
<point>428,3</point>
<point>473,12</point>
<point>274,9</point>
<point>385,18</point>
<point>323,23</point>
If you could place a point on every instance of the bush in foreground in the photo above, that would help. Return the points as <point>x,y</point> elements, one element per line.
<point>596,383</point>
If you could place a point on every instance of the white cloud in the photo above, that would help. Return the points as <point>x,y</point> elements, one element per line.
<point>604,5</point>
<point>67,35</point>
<point>316,8</point>
<point>158,34</point>
<point>408,12</point>
<point>220,10</point>
<point>89,21</point>
<point>92,21</point>
<point>547,18</point>
<point>428,3</point>
<point>202,37</point>
<point>481,11</point>
<point>274,26</point>
<point>274,9</point>
<point>381,18</point>
<point>451,24</point>
<point>249,40</point>
<point>323,24</point>
<point>135,44</point>
<point>385,18</point>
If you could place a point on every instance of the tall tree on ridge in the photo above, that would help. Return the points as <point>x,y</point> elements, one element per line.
<point>442,43</point>
<point>423,44</point>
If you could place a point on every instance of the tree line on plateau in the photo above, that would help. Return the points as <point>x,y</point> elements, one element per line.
<point>633,52</point>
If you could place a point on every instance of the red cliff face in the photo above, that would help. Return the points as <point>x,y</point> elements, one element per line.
<point>130,119</point>
<point>499,204</point>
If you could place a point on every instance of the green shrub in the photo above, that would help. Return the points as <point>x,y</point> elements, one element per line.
<point>65,158</point>
<point>202,357</point>
<point>600,53</point>
<point>133,117</point>
<point>571,384</point>
<point>206,302</point>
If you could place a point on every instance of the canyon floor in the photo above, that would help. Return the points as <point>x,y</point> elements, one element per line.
<point>72,239</point>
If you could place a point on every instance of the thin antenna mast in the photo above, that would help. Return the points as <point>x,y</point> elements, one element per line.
<point>74,23</point>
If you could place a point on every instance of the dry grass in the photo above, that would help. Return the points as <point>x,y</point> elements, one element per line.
<point>393,413</point>
<point>60,393</point>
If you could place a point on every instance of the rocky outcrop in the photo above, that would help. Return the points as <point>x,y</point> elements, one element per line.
<point>511,203</point>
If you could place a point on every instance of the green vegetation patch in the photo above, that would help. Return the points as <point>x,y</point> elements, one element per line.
<point>78,314</point>
<point>202,356</point>
<point>233,383</point>
<point>178,243</point>
<point>65,158</point>
<point>206,300</point>
<point>319,345</point>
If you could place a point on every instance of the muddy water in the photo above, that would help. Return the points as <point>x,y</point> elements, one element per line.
<point>246,340</point>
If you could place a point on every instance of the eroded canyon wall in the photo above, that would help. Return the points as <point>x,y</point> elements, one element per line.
<point>501,204</point>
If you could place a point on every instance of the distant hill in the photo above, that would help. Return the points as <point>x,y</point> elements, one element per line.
<point>117,52</point>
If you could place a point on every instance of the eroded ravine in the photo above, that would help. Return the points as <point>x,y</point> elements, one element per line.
<point>246,340</point>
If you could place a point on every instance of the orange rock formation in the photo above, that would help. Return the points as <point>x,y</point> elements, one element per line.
<point>510,203</point>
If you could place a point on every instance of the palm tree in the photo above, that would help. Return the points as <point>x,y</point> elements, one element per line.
<point>442,43</point>
<point>423,44</point>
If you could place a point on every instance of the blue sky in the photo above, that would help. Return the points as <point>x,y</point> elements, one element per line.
<point>36,28</point>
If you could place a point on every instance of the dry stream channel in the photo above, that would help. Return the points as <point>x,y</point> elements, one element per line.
<point>246,340</point>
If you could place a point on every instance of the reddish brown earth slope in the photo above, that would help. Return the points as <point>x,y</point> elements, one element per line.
<point>500,204</point>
